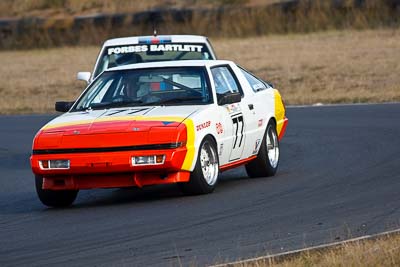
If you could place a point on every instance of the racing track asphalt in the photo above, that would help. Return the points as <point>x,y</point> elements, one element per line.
<point>339,177</point>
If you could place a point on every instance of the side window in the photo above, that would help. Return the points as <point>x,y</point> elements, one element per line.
<point>224,81</point>
<point>255,83</point>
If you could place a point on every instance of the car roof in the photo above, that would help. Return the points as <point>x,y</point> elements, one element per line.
<point>173,63</point>
<point>174,39</point>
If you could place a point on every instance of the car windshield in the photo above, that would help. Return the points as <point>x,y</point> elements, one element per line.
<point>152,86</point>
<point>114,56</point>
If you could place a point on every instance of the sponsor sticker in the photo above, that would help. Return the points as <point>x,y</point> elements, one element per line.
<point>203,125</point>
<point>260,122</point>
<point>176,48</point>
<point>233,108</point>
<point>127,49</point>
<point>256,146</point>
<point>219,127</point>
<point>154,48</point>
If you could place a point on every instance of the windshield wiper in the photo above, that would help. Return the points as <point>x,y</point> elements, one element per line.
<point>114,104</point>
<point>171,100</point>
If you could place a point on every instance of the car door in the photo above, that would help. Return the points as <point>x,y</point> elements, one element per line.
<point>233,114</point>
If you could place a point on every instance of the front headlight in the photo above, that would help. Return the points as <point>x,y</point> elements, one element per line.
<point>148,160</point>
<point>54,164</point>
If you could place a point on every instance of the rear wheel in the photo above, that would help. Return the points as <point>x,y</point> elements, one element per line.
<point>204,177</point>
<point>267,161</point>
<point>54,198</point>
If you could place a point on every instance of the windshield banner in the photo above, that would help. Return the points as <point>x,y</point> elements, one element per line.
<point>155,48</point>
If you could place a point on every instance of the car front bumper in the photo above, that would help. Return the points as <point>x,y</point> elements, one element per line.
<point>111,169</point>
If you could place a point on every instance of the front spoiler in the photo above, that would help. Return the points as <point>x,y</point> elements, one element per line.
<point>139,179</point>
<point>111,169</point>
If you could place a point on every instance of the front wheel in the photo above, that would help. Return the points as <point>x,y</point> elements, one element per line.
<point>267,161</point>
<point>204,177</point>
<point>54,198</point>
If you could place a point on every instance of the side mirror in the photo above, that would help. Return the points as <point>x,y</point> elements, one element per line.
<point>83,76</point>
<point>63,106</point>
<point>228,98</point>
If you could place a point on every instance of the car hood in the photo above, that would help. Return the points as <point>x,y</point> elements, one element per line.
<point>119,119</point>
<point>142,124</point>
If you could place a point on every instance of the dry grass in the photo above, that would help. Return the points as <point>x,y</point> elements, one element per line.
<point>382,252</point>
<point>33,80</point>
<point>329,67</point>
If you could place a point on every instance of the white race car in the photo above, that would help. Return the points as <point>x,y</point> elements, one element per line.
<point>139,49</point>
<point>158,123</point>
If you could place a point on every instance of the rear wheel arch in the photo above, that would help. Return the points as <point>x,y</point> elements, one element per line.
<point>272,120</point>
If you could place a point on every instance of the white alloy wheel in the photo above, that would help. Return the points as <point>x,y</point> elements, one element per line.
<point>267,160</point>
<point>209,163</point>
<point>272,146</point>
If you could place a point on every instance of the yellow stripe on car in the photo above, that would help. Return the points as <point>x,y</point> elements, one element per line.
<point>187,163</point>
<point>279,111</point>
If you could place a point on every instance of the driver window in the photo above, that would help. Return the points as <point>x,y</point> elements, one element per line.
<point>224,81</point>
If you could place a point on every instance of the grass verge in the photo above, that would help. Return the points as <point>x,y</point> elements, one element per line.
<point>326,67</point>
<point>384,251</point>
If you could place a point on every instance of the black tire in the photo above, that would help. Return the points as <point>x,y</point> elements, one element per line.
<point>262,166</point>
<point>198,184</point>
<point>54,198</point>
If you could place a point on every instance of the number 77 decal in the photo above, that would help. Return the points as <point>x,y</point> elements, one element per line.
<point>238,123</point>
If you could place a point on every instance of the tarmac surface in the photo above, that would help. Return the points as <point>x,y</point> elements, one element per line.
<point>339,178</point>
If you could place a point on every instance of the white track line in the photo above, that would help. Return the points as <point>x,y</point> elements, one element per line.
<point>341,105</point>
<point>298,251</point>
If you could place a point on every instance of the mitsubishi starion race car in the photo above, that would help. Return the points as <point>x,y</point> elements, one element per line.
<point>131,50</point>
<point>168,122</point>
